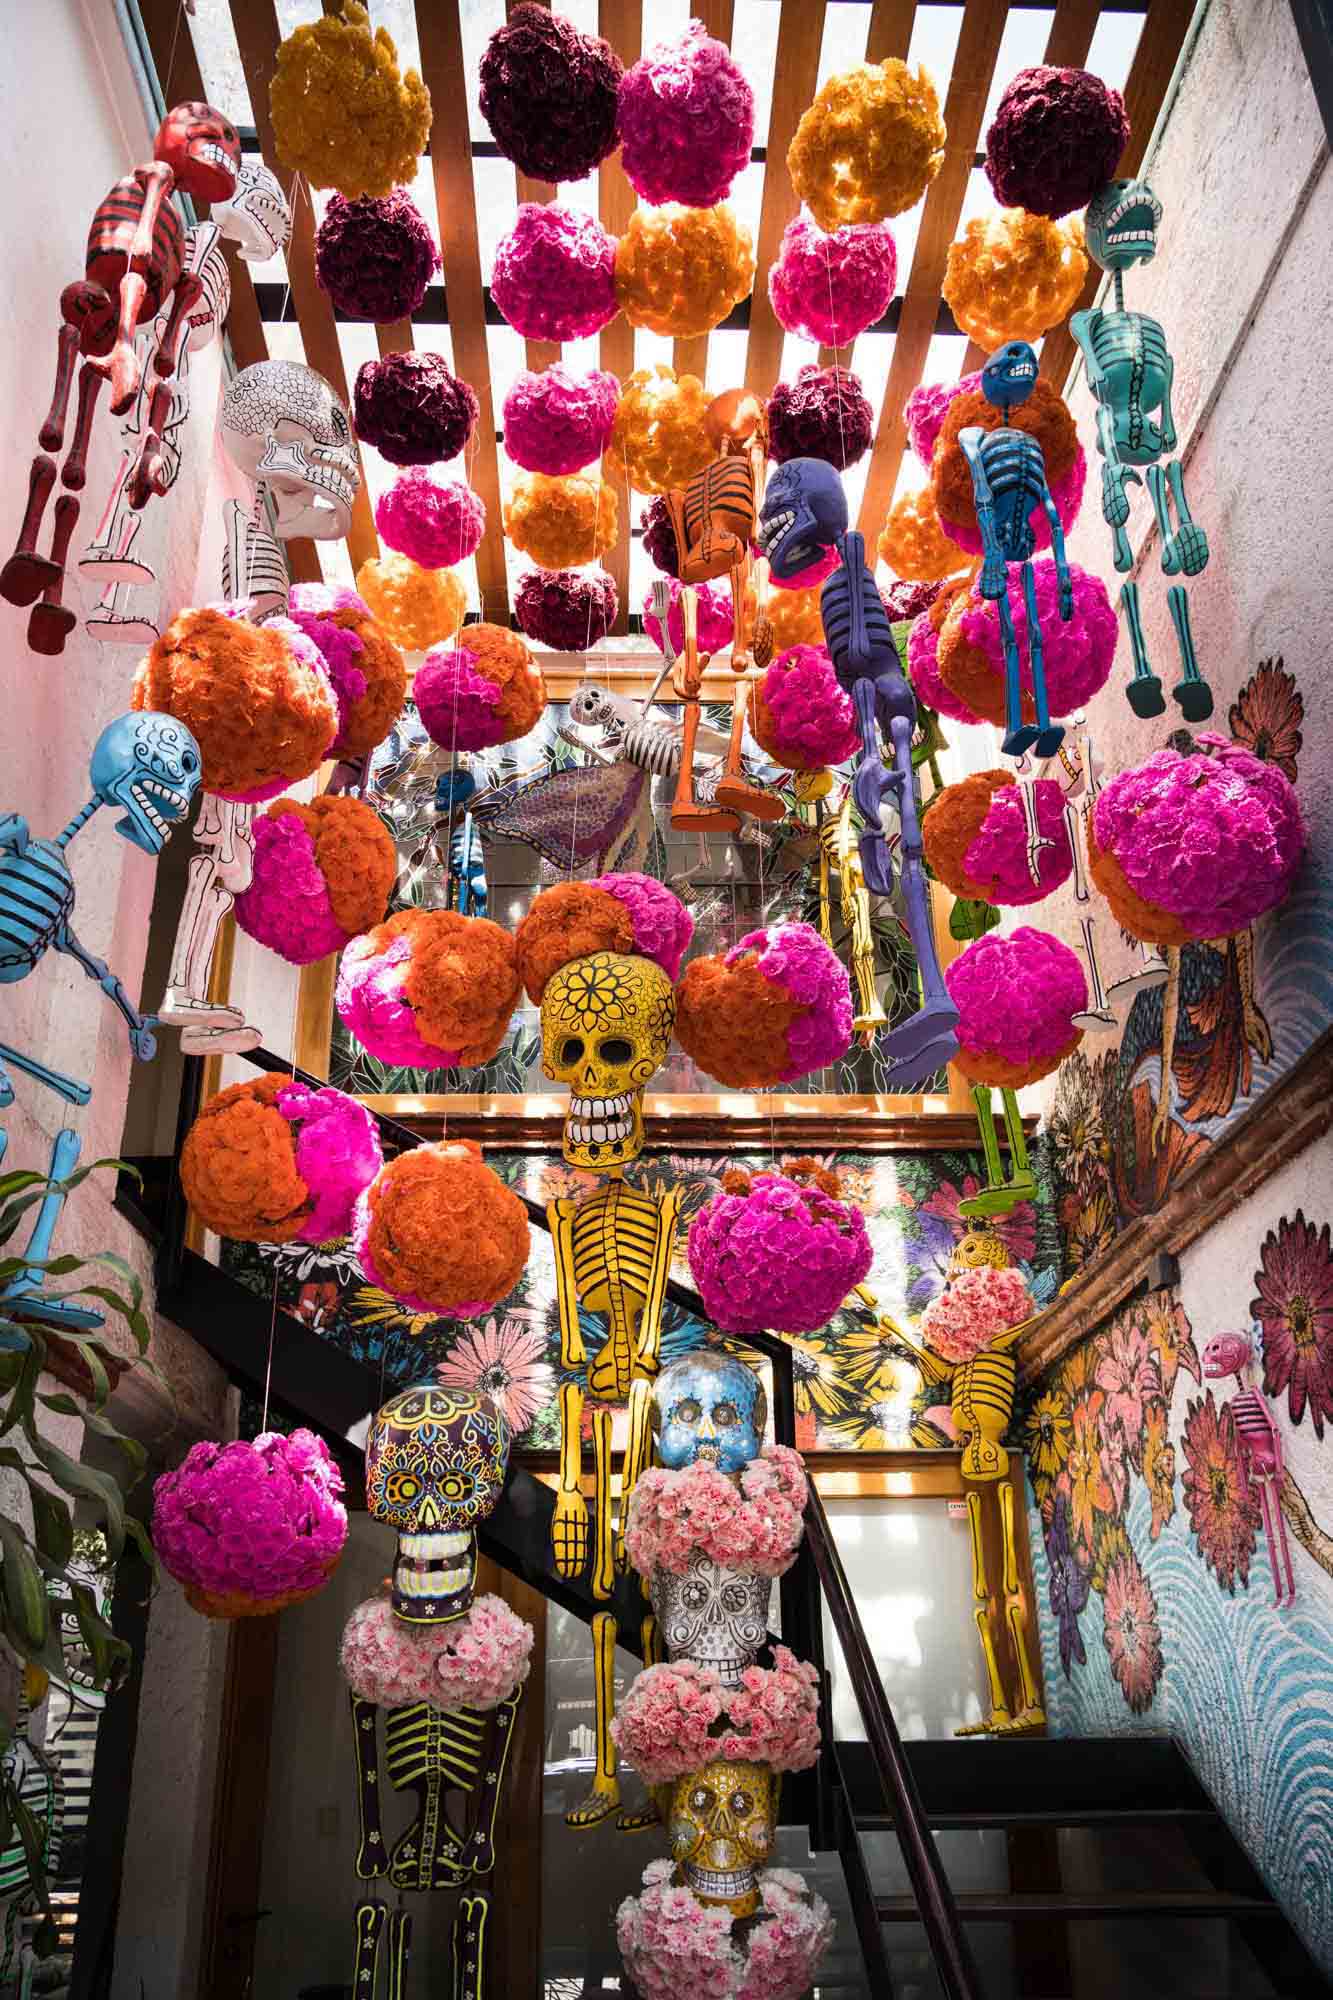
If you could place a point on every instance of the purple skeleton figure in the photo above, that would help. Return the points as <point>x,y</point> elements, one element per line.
<point>1259,1441</point>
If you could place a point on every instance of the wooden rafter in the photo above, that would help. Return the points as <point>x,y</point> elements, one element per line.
<point>890,30</point>
<point>620,22</point>
<point>540,353</point>
<point>800,34</point>
<point>690,356</point>
<point>1071,33</point>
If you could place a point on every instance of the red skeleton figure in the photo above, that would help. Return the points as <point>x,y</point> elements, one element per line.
<point>132,267</point>
<point>1259,1442</point>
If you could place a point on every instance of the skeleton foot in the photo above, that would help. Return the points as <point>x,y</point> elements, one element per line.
<point>181,1009</point>
<point>635,1819</point>
<point>998,1723</point>
<point>220,1041</point>
<point>119,630</point>
<point>1023,1724</point>
<point>917,1048</point>
<point>601,1802</point>
<point>998,1200</point>
<point>569,1534</point>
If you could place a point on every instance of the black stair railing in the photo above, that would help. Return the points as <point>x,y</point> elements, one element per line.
<point>518,1541</point>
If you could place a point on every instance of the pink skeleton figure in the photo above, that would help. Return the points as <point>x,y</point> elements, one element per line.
<point>1259,1441</point>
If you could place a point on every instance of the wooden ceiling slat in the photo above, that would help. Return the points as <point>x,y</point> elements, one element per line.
<point>1160,43</point>
<point>1071,33</point>
<point>965,105</point>
<point>539,353</point>
<point>690,356</point>
<point>796,73</point>
<point>619,22</point>
<point>395,338</point>
<point>440,40</point>
<point>890,30</point>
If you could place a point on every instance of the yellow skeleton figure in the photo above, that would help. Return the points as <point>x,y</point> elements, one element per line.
<point>839,853</point>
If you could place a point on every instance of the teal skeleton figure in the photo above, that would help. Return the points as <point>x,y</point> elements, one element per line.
<point>1009,484</point>
<point>1130,372</point>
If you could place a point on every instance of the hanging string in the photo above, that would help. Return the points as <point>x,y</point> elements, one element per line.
<point>277,1267</point>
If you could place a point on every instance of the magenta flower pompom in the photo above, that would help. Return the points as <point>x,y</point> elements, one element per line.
<point>659,538</point>
<point>248,1528</point>
<point>715,619</point>
<point>1056,138</point>
<point>549,95</point>
<point>375,256</point>
<point>780,1257</point>
<point>800,713</point>
<point>286,907</point>
<point>437,522</point>
<point>903,599</point>
<point>555,273</point>
<point>686,121</point>
<point>1214,838</point>
<point>476,1661</point>
<point>458,704</point>
<point>831,288</point>
<point>823,566</point>
<point>973,1308</point>
<point>557,421</point>
<point>923,671</point>
<point>662,925</point>
<point>796,958</point>
<point>926,408</point>
<point>1016,998</point>
<point>566,609</point>
<point>1078,656</point>
<point>413,408</point>
<point>997,857</point>
<point>824,413</point>
<point>373,1008</point>
<point>1067,493</point>
<point>337,1155</point>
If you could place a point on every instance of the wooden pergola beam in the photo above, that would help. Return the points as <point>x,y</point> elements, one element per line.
<point>796,72</point>
<point>619,22</point>
<point>690,356</point>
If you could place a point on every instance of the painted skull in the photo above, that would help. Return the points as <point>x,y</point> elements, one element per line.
<point>203,150</point>
<point>721,1829</point>
<point>256,218</point>
<point>714,1616</point>
<point>977,1247</point>
<point>284,427</point>
<point>709,1406</point>
<point>804,512</point>
<point>435,1466</point>
<point>1227,1354</point>
<point>149,764</point>
<point>1010,375</point>
<point>606,1029</point>
<point>1121,225</point>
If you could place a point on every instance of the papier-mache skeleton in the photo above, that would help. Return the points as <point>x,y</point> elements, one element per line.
<point>1259,1443</point>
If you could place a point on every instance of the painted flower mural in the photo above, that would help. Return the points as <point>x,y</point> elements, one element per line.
<point>1131,1633</point>
<point>1047,1431</point>
<point>1068,1585</point>
<point>1294,1307</point>
<point>503,1358</point>
<point>1159,1467</point>
<point>1222,1514</point>
<point>1084,1478</point>
<point>1127,1375</point>
<point>1266,716</point>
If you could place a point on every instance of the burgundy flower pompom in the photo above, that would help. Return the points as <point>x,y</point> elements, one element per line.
<point>686,121</point>
<point>566,609</point>
<point>659,538</point>
<point>413,408</point>
<point>824,413</point>
<point>375,257</point>
<point>1057,137</point>
<point>555,273</point>
<point>549,94</point>
<point>908,600</point>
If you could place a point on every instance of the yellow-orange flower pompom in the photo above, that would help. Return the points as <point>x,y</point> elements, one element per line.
<point>1044,415</point>
<point>869,146</point>
<point>794,616</point>
<point>913,543</point>
<point>416,608</point>
<point>440,1232</point>
<point>238,1165</point>
<point>342,114</point>
<point>660,438</point>
<point>1012,275</point>
<point>561,523</point>
<point>679,271</point>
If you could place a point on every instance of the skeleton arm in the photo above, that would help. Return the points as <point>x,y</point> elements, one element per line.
<point>371,1859</point>
<point>1167,427</point>
<point>142,1039</point>
<point>14,833</point>
<point>931,1367</point>
<point>1058,551</point>
<point>994,570</point>
<point>1115,474</point>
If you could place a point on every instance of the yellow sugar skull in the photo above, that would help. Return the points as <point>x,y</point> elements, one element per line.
<point>721,1831</point>
<point>978,1247</point>
<point>606,1028</point>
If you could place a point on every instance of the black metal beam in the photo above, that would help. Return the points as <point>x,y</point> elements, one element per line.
<point>1314,25</point>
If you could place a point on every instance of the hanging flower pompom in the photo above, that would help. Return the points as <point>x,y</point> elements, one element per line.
<point>273,1162</point>
<point>771,1010</point>
<point>716,623</point>
<point>925,408</point>
<point>679,271</point>
<point>429,989</point>
<point>1056,138</point>
<point>414,607</point>
<point>569,610</point>
<point>556,421</point>
<point>754,1527</point>
<point>1016,998</point>
<point>672,1943</point>
<point>800,714</point>
<point>365,667</point>
<point>1077,656</point>
<point>555,273</point>
<point>621,912</point>
<point>1196,845</point>
<point>795,618</point>
<point>904,601</point>
<point>976,839</point>
<point>975,1306</point>
<point>375,256</point>
<point>659,538</point>
<point>659,439</point>
<point>485,691</point>
<point>824,414</point>
<point>440,1232</point>
<point>1013,275</point>
<point>778,1251</point>
<point>686,121</point>
<point>563,523</point>
<point>251,1527</point>
<point>831,288</point>
<point>678,1717</point>
<point>413,408</point>
<point>923,668</point>
<point>323,873</point>
<point>913,543</point>
<point>476,1661</point>
<point>436,521</point>
<point>1044,416</point>
<point>342,114</point>
<point>549,94</point>
<point>869,146</point>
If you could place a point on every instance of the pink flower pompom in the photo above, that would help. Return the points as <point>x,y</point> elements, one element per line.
<point>287,906</point>
<point>973,1308</point>
<point>773,1716</point>
<point>310,606</point>
<point>251,1527</point>
<point>1078,656</point>
<point>554,276</point>
<point>435,521</point>
<point>795,957</point>
<point>802,715</point>
<point>755,1529</point>
<point>926,408</point>
<point>459,705</point>
<point>671,1943</point>
<point>715,619</point>
<point>686,121</point>
<point>663,926</point>
<point>823,566</point>
<point>997,856</point>
<point>373,1008</point>
<point>337,1155</point>
<point>664,1724</point>
<point>779,1258</point>
<point>1067,493</point>
<point>476,1661</point>
<point>1213,838</point>
<point>1016,998</point>
<point>831,288</point>
<point>923,671</point>
<point>557,421</point>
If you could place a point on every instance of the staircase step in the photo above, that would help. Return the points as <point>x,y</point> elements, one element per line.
<point>1014,1817</point>
<point>1004,1909</point>
<point>1011,1778</point>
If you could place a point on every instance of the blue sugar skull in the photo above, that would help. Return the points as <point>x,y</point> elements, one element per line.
<point>1010,375</point>
<point>804,513</point>
<point>1121,225</point>
<point>710,1408</point>
<point>149,764</point>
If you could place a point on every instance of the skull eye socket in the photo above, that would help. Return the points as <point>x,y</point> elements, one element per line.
<point>571,1049</point>
<point>734,1597</point>
<point>615,1049</point>
<point>701,1798</point>
<point>339,425</point>
<point>742,1804</point>
<point>726,1413</point>
<point>695,1596</point>
<point>189,762</point>
<point>686,1412</point>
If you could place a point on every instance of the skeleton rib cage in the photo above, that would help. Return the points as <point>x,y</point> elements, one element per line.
<point>1016,474</point>
<point>617,1245</point>
<point>1131,349</point>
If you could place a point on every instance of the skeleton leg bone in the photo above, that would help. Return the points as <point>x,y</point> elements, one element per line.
<point>399,1953</point>
<point>603,1569</point>
<point>1191,690</point>
<point>569,1523</point>
<point>1144,692</point>
<point>919,1046</point>
<point>26,1286</point>
<point>1100,1016</point>
<point>604,1795</point>
<point>50,621</point>
<point>1031,1715</point>
<point>469,1948</point>
<point>1050,735</point>
<point>1018,735</point>
<point>26,574</point>
<point>370,1920</point>
<point>999,1716</point>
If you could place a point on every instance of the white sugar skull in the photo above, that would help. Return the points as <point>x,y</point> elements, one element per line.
<point>256,219</point>
<point>715,1616</point>
<point>284,427</point>
<point>606,1029</point>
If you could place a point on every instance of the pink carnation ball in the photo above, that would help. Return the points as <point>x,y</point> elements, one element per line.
<point>286,906</point>
<point>810,721</point>
<point>1067,493</point>
<point>831,288</point>
<point>337,1155</point>
<point>372,1006</point>
<point>923,671</point>
<point>248,1527</point>
<point>459,705</point>
<point>973,1308</point>
<point>476,1661</point>
<point>1077,657</point>
<point>1016,998</point>
<point>997,856</point>
<point>780,1258</point>
<point>663,926</point>
<point>796,958</point>
<point>715,619</point>
<point>435,521</point>
<point>926,409</point>
<point>557,421</point>
<point>686,121</point>
<point>555,273</point>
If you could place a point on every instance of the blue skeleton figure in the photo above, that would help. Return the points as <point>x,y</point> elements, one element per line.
<point>1130,372</point>
<point>149,765</point>
<point>1009,484</point>
<point>805,513</point>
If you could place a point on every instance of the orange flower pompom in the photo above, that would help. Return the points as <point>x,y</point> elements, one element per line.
<point>505,659</point>
<point>966,671</point>
<point>795,618</point>
<point>562,523</point>
<point>869,146</point>
<point>342,114</point>
<point>1146,921</point>
<point>354,852</point>
<point>733,1023</point>
<point>571,920</point>
<point>255,698</point>
<point>416,608</point>
<point>913,543</point>
<point>1045,416</point>
<point>679,271</point>
<point>660,437</point>
<point>1011,276</point>
<point>456,996</point>
<point>440,1232</point>
<point>238,1165</point>
<point>359,655</point>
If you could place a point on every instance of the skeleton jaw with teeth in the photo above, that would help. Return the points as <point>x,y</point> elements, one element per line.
<point>606,1029</point>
